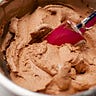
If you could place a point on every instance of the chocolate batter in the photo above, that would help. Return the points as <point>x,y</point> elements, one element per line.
<point>42,67</point>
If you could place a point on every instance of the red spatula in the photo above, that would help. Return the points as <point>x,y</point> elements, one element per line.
<point>70,33</point>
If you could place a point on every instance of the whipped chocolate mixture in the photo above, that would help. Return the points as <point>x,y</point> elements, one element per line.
<point>42,67</point>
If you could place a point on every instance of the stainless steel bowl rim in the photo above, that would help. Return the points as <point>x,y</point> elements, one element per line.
<point>16,89</point>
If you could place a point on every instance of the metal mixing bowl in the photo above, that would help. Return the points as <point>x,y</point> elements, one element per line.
<point>9,9</point>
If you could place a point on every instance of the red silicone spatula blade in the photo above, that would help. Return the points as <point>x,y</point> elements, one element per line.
<point>71,34</point>
<point>63,34</point>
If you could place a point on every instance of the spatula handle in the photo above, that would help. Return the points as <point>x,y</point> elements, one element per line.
<point>88,22</point>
